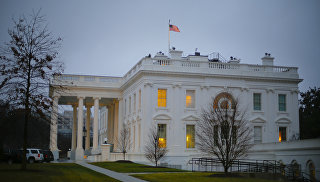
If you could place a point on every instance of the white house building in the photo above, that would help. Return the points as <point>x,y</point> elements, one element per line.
<point>169,92</point>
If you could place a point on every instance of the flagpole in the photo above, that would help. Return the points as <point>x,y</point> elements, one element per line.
<point>169,37</point>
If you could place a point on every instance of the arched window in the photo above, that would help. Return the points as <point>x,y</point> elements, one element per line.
<point>295,168</point>
<point>311,169</point>
<point>223,100</point>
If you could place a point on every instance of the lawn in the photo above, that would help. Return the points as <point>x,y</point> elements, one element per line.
<point>194,177</point>
<point>132,167</point>
<point>50,172</point>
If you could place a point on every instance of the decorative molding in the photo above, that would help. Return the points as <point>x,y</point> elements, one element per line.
<point>162,109</point>
<point>258,119</point>
<point>83,97</point>
<point>162,117</point>
<point>204,87</point>
<point>244,89</point>
<point>178,85</point>
<point>148,84</point>
<point>270,90</point>
<point>190,118</point>
<point>94,98</point>
<point>294,91</point>
<point>283,120</point>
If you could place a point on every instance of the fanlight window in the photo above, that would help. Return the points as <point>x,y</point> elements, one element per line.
<point>223,101</point>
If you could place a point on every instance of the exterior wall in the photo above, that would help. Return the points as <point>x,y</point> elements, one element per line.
<point>176,116</point>
<point>208,79</point>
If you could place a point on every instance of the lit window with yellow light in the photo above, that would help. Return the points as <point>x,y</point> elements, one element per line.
<point>190,136</point>
<point>162,133</point>
<point>190,98</point>
<point>282,134</point>
<point>162,97</point>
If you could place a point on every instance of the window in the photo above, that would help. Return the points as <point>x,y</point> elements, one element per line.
<point>257,101</point>
<point>162,97</point>
<point>282,102</point>
<point>134,102</point>
<point>139,105</point>
<point>34,151</point>
<point>257,134</point>
<point>223,101</point>
<point>129,104</point>
<point>282,134</point>
<point>162,133</point>
<point>190,98</point>
<point>190,136</point>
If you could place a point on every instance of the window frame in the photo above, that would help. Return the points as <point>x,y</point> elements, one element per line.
<point>254,136</point>
<point>192,144</point>
<point>259,107</point>
<point>165,99</point>
<point>284,109</point>
<point>286,134</point>
<point>193,99</point>
<point>165,132</point>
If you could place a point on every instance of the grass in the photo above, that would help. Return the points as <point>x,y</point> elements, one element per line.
<point>194,177</point>
<point>50,172</point>
<point>133,167</point>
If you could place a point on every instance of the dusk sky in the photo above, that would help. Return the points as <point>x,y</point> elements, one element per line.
<point>109,37</point>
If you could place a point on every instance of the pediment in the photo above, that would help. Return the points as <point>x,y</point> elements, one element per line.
<point>283,120</point>
<point>162,117</point>
<point>258,120</point>
<point>190,118</point>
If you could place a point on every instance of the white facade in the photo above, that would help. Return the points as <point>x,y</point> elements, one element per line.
<point>268,93</point>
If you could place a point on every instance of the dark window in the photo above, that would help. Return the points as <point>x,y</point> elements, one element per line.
<point>257,101</point>
<point>34,151</point>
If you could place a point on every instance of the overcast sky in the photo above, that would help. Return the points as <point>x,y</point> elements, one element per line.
<point>109,37</point>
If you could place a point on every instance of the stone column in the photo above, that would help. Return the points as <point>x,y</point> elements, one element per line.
<point>74,133</point>
<point>95,126</point>
<point>116,123</point>
<point>87,146</point>
<point>109,124</point>
<point>79,150</point>
<point>112,124</point>
<point>120,115</point>
<point>54,128</point>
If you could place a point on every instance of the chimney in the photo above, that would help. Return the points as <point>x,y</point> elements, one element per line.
<point>267,60</point>
<point>175,54</point>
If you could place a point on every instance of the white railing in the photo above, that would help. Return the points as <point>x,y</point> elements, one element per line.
<point>223,66</point>
<point>161,62</point>
<point>190,64</point>
<point>184,65</point>
<point>87,80</point>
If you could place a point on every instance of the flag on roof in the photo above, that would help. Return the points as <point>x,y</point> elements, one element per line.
<point>173,28</point>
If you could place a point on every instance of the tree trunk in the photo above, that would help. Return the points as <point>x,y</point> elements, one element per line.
<point>25,135</point>
<point>26,117</point>
<point>226,170</point>
<point>124,156</point>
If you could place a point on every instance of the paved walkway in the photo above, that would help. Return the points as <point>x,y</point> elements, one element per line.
<point>115,175</point>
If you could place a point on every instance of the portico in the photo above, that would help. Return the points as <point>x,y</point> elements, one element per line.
<point>83,99</point>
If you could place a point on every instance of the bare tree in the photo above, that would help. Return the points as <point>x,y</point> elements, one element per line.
<point>124,141</point>
<point>154,150</point>
<point>28,62</point>
<point>223,131</point>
